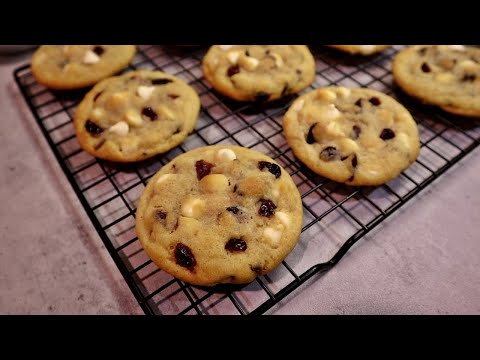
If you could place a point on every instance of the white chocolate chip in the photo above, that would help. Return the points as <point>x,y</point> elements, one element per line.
<point>445,77</point>
<point>214,183</point>
<point>326,95</point>
<point>278,59</point>
<point>273,236</point>
<point>343,91</point>
<point>97,114</point>
<point>333,129</point>
<point>117,99</point>
<point>133,118</point>
<point>163,178</point>
<point>468,66</point>
<point>120,128</point>
<point>192,208</point>
<point>402,138</point>
<point>225,155</point>
<point>275,193</point>
<point>129,144</point>
<point>233,56</point>
<point>249,63</point>
<point>367,48</point>
<point>145,91</point>
<point>283,217</point>
<point>165,112</point>
<point>329,112</point>
<point>225,47</point>
<point>298,105</point>
<point>349,146</point>
<point>457,47</point>
<point>91,58</point>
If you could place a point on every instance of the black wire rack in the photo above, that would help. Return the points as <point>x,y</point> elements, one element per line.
<point>335,216</point>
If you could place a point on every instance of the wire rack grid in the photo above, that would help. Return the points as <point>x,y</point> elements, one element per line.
<point>335,216</point>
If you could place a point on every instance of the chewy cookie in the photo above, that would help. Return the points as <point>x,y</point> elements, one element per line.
<point>219,214</point>
<point>444,75</point>
<point>77,66</point>
<point>356,136</point>
<point>136,115</point>
<point>258,72</point>
<point>360,49</point>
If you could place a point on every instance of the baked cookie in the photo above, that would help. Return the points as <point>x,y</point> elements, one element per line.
<point>258,72</point>
<point>444,75</point>
<point>356,136</point>
<point>136,115</point>
<point>77,66</point>
<point>360,49</point>
<point>219,214</point>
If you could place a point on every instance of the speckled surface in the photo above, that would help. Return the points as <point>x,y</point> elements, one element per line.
<point>425,259</point>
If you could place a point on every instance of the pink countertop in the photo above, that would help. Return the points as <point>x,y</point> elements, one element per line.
<point>425,259</point>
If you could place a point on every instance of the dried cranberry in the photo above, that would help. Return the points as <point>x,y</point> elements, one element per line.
<point>247,53</point>
<point>267,208</point>
<point>235,188</point>
<point>387,134</point>
<point>422,51</point>
<point>310,138</point>
<point>173,96</point>
<point>426,68</point>
<point>272,168</point>
<point>97,96</point>
<point>233,209</point>
<point>93,128</point>
<point>148,112</point>
<point>184,256</point>
<point>354,161</point>
<point>468,78</point>
<point>359,102</point>
<point>98,50</point>
<point>232,70</point>
<point>357,130</point>
<point>285,90</point>
<point>234,245</point>
<point>375,101</point>
<point>160,215</point>
<point>161,81</point>
<point>203,168</point>
<point>99,144</point>
<point>329,153</point>
<point>256,269</point>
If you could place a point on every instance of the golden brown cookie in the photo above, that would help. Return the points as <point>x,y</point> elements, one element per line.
<point>444,75</point>
<point>352,135</point>
<point>65,67</point>
<point>136,115</point>
<point>259,72</point>
<point>360,49</point>
<point>219,214</point>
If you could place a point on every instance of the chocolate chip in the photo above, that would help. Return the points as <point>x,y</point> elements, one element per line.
<point>247,53</point>
<point>235,188</point>
<point>97,96</point>
<point>98,50</point>
<point>267,208</point>
<point>285,90</point>
<point>329,153</point>
<point>298,71</point>
<point>426,68</point>
<point>469,78</point>
<point>93,128</point>
<point>351,178</point>
<point>272,168</point>
<point>357,130</point>
<point>344,158</point>
<point>359,102</point>
<point>354,161</point>
<point>184,256</point>
<point>256,269</point>
<point>234,245</point>
<point>267,52</point>
<point>148,112</point>
<point>310,137</point>
<point>160,215</point>
<point>387,134</point>
<point>262,96</point>
<point>233,209</point>
<point>375,101</point>
<point>177,131</point>
<point>173,96</point>
<point>161,81</point>
<point>203,168</point>
<point>99,144</point>
<point>232,70</point>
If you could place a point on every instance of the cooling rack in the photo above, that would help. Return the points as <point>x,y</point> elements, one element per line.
<point>335,216</point>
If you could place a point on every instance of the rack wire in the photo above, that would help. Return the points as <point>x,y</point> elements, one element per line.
<point>336,216</point>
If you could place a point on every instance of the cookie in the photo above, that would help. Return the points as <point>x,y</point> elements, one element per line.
<point>352,135</point>
<point>78,66</point>
<point>136,115</point>
<point>444,75</point>
<point>360,49</point>
<point>219,214</point>
<point>258,72</point>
